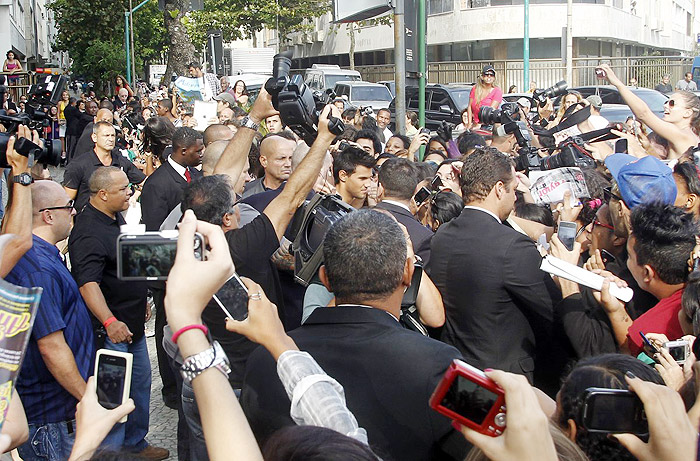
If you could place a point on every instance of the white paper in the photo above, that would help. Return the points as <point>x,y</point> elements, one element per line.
<point>565,270</point>
<point>548,186</point>
<point>204,111</point>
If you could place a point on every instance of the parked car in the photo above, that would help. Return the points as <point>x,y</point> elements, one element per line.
<point>610,95</point>
<point>442,102</point>
<point>361,94</point>
<point>322,77</point>
<point>391,85</point>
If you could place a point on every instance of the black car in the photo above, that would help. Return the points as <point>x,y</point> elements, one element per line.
<point>442,102</point>
<point>610,95</point>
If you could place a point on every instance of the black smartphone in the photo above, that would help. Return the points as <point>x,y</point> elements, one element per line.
<point>607,257</point>
<point>567,234</point>
<point>232,298</point>
<point>614,411</point>
<point>621,146</point>
<point>654,349</point>
<point>436,183</point>
<point>113,377</point>
<point>150,255</point>
<point>422,195</point>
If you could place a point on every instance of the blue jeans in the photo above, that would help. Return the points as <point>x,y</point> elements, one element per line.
<point>52,441</point>
<point>130,436</point>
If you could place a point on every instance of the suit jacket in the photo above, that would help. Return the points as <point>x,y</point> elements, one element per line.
<point>388,374</point>
<point>497,305</point>
<point>420,235</point>
<point>162,192</point>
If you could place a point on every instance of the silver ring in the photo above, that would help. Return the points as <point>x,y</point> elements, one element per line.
<point>256,296</point>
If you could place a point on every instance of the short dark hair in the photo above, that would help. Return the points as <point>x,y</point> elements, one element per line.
<point>196,65</point>
<point>166,103</point>
<point>210,197</point>
<point>689,174</point>
<point>468,141</point>
<point>384,109</point>
<point>357,248</point>
<point>536,213</point>
<point>239,112</point>
<point>445,206</point>
<point>313,442</point>
<point>349,159</point>
<point>398,177</point>
<point>664,238</point>
<point>481,171</point>
<point>185,137</point>
<point>106,104</point>
<point>404,139</point>
<point>349,113</point>
<point>372,136</point>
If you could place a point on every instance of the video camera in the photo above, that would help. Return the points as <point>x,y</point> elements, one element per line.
<point>309,226</point>
<point>298,107</point>
<point>46,92</point>
<point>571,153</point>
<point>552,92</point>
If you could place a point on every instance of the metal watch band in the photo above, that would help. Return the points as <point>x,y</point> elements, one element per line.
<point>214,357</point>
<point>248,123</point>
<point>24,179</point>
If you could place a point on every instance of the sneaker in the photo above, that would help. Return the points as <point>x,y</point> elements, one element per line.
<point>154,453</point>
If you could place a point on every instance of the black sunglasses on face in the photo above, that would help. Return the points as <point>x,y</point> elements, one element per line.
<point>608,195</point>
<point>70,206</point>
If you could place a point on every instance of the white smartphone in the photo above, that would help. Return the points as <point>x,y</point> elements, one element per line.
<point>113,378</point>
<point>567,234</point>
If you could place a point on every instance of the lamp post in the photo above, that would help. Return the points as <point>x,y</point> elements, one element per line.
<point>129,20</point>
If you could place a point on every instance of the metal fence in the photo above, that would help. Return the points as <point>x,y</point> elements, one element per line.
<point>648,71</point>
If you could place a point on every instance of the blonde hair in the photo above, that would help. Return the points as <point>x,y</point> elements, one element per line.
<point>562,108</point>
<point>482,90</point>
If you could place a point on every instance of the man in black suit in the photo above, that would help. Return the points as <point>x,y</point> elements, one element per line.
<point>162,192</point>
<point>397,184</point>
<point>388,372</point>
<point>163,189</point>
<point>497,305</point>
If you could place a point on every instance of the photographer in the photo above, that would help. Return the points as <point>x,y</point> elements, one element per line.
<point>18,218</point>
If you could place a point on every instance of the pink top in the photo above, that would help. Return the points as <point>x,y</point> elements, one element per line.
<point>11,65</point>
<point>495,95</point>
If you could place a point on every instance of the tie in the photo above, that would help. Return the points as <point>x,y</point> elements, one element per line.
<point>187,175</point>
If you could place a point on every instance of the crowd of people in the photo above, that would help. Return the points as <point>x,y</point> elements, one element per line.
<point>347,366</point>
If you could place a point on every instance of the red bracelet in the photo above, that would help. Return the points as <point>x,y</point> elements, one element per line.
<point>109,321</point>
<point>177,334</point>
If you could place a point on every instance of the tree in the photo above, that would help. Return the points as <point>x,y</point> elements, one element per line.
<point>180,48</point>
<point>92,32</point>
<point>243,18</point>
<point>356,27</point>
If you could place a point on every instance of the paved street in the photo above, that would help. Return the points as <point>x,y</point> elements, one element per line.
<point>163,423</point>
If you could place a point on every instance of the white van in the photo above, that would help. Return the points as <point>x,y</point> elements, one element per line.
<point>324,76</point>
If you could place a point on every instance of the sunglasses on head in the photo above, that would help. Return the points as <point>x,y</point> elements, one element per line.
<point>608,195</point>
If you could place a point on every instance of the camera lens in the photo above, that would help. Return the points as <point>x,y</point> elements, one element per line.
<point>281,64</point>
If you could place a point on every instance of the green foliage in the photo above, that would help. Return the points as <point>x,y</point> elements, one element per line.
<point>242,18</point>
<point>92,32</point>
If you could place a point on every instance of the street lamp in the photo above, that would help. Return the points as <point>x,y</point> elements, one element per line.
<point>129,27</point>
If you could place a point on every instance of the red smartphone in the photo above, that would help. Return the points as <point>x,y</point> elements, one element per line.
<point>466,395</point>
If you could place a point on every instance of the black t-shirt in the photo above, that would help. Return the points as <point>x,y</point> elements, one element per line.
<point>93,254</point>
<point>251,248</point>
<point>78,174</point>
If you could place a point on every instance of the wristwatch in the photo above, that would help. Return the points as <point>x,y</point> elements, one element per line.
<point>23,179</point>
<point>195,365</point>
<point>247,122</point>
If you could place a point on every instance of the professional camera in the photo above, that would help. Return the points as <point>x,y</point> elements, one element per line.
<point>552,92</point>
<point>298,107</point>
<point>46,92</point>
<point>310,224</point>
<point>571,154</point>
<point>509,118</point>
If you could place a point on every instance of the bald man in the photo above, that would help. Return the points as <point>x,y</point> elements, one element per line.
<point>276,151</point>
<point>85,143</point>
<point>61,347</point>
<point>217,132</point>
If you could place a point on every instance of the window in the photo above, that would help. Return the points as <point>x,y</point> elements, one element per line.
<point>439,99</point>
<point>440,6</point>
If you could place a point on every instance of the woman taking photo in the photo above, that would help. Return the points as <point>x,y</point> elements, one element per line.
<point>681,120</point>
<point>484,93</point>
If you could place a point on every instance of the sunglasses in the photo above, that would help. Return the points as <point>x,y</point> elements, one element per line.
<point>608,195</point>
<point>598,223</point>
<point>488,74</point>
<point>670,103</point>
<point>69,206</point>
